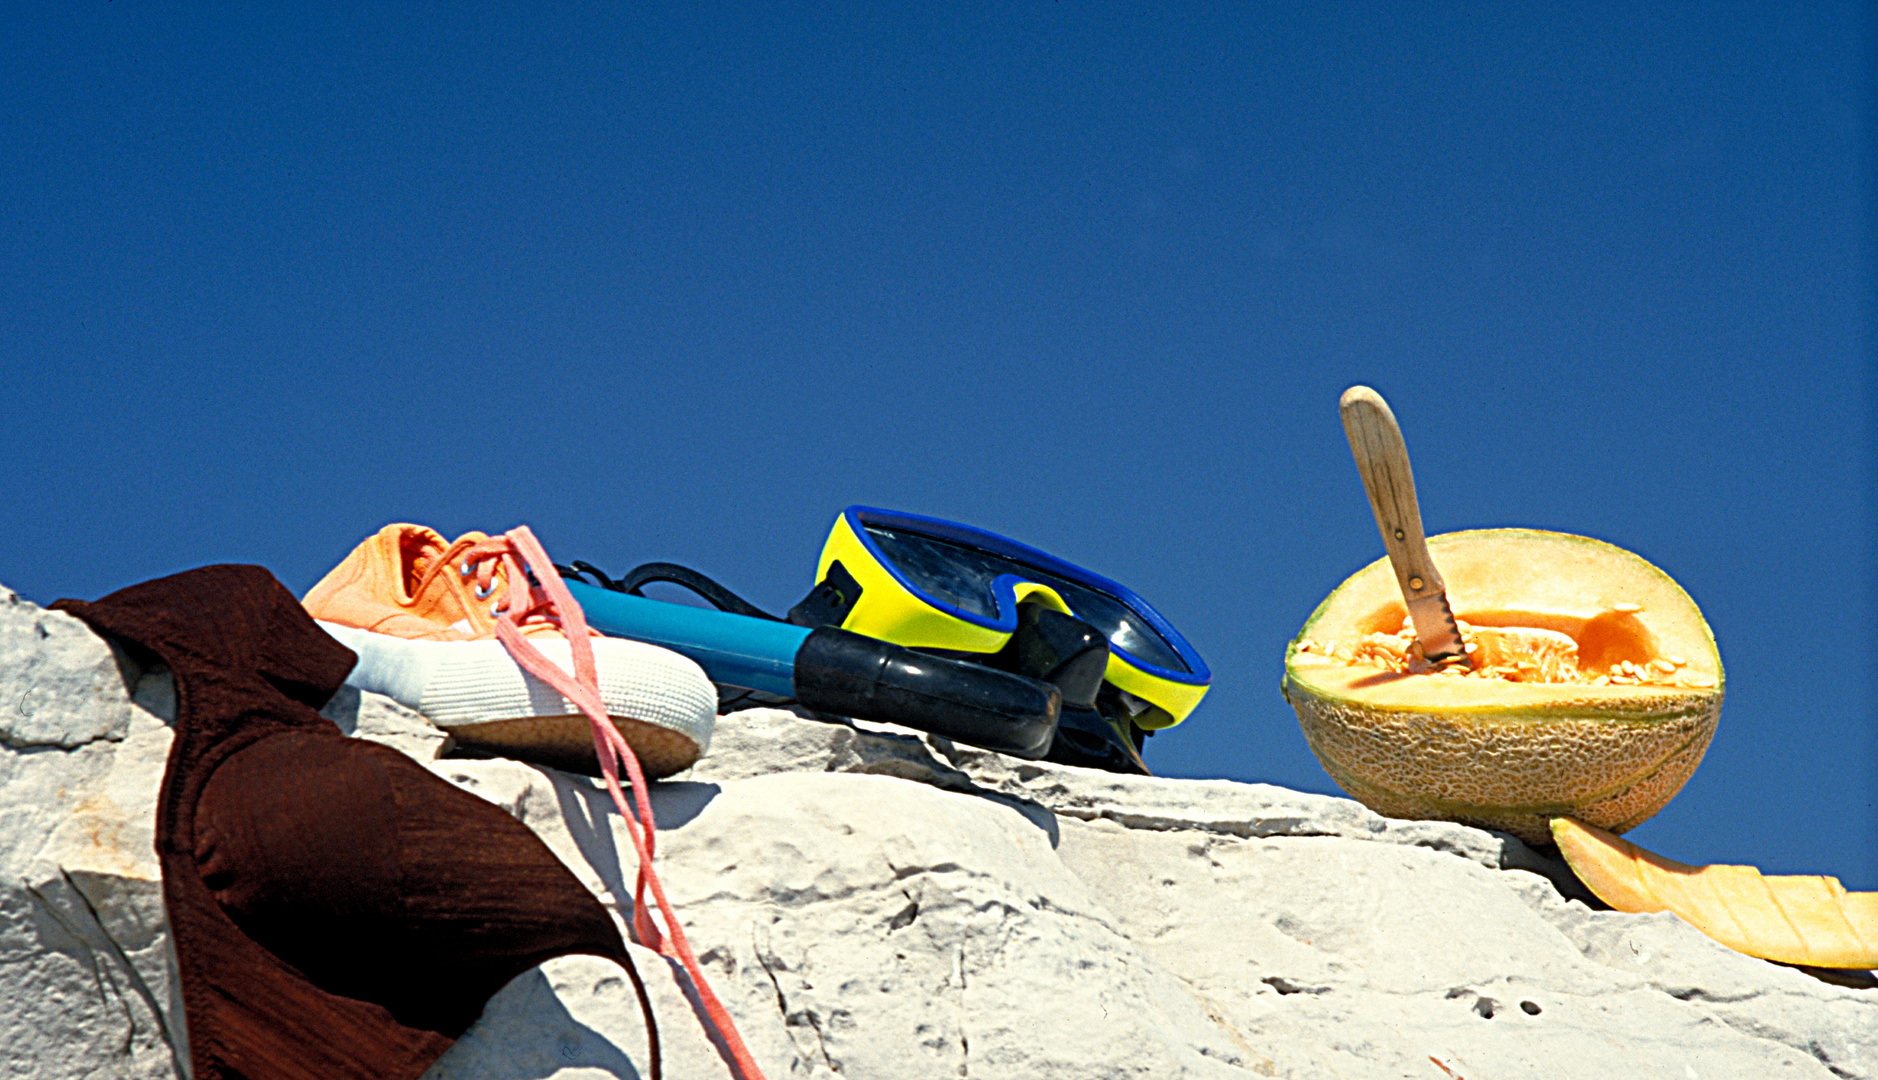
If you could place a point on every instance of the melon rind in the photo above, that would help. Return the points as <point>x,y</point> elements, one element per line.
<point>1501,755</point>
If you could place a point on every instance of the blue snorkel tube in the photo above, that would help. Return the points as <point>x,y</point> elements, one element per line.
<point>840,672</point>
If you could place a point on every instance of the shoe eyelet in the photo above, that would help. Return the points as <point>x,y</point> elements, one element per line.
<point>464,568</point>
<point>495,610</point>
<point>482,593</point>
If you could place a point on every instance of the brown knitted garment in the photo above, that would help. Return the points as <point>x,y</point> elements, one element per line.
<point>338,911</point>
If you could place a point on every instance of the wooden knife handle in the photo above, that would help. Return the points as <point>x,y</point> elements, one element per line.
<point>1382,459</point>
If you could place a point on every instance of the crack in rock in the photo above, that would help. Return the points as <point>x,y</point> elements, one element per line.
<point>1287,987</point>
<point>85,937</point>
<point>796,1019</point>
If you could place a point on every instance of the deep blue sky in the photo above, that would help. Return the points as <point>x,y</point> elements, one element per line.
<point>666,283</point>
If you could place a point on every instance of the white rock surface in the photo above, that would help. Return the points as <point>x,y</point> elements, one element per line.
<point>873,903</point>
<point>86,969</point>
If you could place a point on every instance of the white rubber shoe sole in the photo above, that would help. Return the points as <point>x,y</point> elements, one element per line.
<point>660,701</point>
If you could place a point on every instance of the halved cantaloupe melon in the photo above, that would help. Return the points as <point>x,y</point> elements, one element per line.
<point>1594,689</point>
<point>1801,919</point>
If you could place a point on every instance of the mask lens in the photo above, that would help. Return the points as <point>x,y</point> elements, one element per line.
<point>962,576</point>
<point>959,575</point>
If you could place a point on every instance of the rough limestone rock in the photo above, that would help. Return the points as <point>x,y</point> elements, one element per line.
<point>870,902</point>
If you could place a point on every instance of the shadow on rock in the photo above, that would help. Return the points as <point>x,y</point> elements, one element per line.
<point>526,1033</point>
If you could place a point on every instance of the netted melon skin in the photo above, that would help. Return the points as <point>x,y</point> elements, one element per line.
<point>1614,770</point>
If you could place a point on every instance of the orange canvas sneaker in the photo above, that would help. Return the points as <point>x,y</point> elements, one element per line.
<point>422,613</point>
<point>483,637</point>
<point>397,583</point>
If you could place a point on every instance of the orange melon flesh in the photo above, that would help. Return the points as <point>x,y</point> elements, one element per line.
<point>1598,689</point>
<point>1801,919</point>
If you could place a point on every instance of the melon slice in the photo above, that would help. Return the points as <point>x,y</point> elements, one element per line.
<point>1801,919</point>
<point>1594,687</point>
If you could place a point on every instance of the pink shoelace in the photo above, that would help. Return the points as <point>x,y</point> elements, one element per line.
<point>547,598</point>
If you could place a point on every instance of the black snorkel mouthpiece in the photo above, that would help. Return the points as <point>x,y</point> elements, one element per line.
<point>849,674</point>
<point>1074,656</point>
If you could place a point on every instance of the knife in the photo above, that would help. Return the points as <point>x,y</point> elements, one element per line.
<point>1382,459</point>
